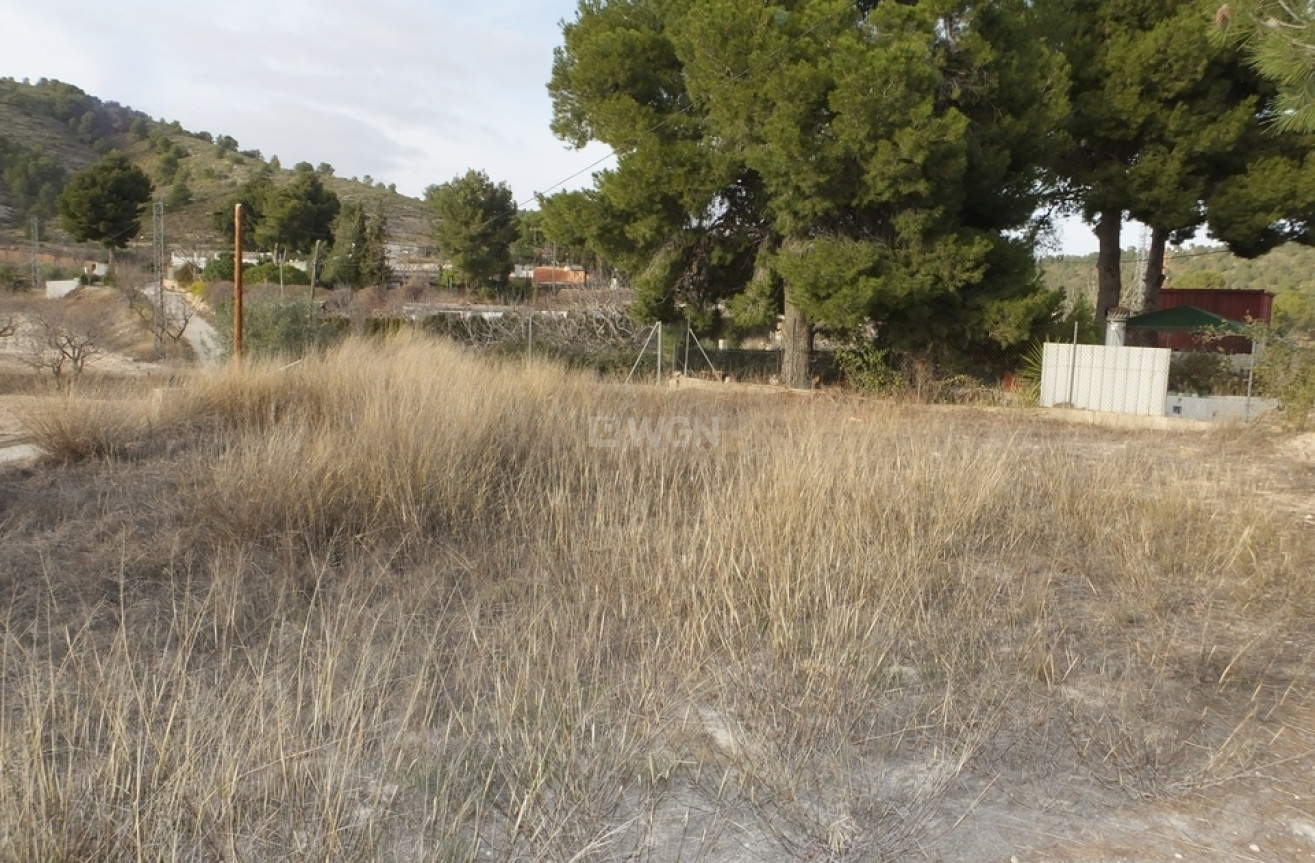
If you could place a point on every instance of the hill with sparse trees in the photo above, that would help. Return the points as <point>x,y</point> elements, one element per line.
<point>49,130</point>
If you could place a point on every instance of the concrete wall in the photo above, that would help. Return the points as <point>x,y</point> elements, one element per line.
<point>55,290</point>
<point>1218,409</point>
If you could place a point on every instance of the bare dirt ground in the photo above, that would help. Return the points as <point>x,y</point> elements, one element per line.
<point>1261,814</point>
<point>1265,813</point>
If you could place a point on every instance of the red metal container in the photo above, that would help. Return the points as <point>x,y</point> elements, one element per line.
<point>1243,306</point>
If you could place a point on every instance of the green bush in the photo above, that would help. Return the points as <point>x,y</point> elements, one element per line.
<point>218,269</point>
<point>1202,373</point>
<point>180,195</point>
<point>268,273</point>
<point>277,327</point>
<point>1285,370</point>
<point>867,368</point>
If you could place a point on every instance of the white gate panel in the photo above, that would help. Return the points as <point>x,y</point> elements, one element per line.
<point>1123,380</point>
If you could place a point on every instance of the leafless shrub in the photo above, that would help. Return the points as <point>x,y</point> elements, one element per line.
<point>65,338</point>
<point>581,335</point>
<point>165,313</point>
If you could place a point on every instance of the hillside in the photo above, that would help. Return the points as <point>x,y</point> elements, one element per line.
<point>50,129</point>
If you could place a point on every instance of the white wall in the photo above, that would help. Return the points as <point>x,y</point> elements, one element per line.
<point>56,290</point>
<point>1099,378</point>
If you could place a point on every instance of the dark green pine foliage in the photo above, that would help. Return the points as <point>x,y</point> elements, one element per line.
<point>837,161</point>
<point>297,214</point>
<point>344,268</point>
<point>32,180</point>
<point>474,224</point>
<point>254,196</point>
<point>360,249</point>
<point>374,267</point>
<point>104,202</point>
<point>1276,37</point>
<point>1170,127</point>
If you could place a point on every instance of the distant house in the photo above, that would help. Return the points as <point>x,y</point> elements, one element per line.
<point>558,277</point>
<point>1242,306</point>
<point>1236,305</point>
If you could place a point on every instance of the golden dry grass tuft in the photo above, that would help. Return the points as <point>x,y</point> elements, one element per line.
<point>395,603</point>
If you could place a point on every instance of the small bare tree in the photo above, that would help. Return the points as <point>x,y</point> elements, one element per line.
<point>165,313</point>
<point>176,314</point>
<point>11,314</point>
<point>65,339</point>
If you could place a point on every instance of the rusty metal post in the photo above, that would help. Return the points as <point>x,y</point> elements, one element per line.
<point>237,282</point>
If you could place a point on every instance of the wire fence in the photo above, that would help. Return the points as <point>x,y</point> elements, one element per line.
<point>611,343</point>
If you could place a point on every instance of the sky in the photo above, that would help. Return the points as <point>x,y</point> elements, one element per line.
<point>411,92</point>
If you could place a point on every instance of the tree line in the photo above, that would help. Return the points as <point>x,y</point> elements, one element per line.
<point>31,177</point>
<point>853,162</point>
<point>302,217</point>
<point>879,170</point>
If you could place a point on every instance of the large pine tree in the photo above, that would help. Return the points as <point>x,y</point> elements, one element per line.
<point>104,202</point>
<point>828,159</point>
<point>1170,127</point>
<point>474,225</point>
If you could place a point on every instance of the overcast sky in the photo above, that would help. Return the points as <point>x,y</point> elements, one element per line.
<point>412,92</point>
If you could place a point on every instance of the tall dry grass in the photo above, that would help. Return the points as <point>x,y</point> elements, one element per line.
<point>396,604</point>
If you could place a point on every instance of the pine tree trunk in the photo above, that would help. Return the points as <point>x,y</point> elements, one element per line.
<point>1153,279</point>
<point>1109,285</point>
<point>797,335</point>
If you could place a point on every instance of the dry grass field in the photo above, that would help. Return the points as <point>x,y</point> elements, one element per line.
<point>397,603</point>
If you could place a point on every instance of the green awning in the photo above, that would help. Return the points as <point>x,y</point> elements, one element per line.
<point>1183,319</point>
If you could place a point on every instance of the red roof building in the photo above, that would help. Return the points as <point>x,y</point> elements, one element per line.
<point>1243,306</point>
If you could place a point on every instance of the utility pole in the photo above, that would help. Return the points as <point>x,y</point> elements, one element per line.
<point>237,282</point>
<point>36,252</point>
<point>314,268</point>
<point>158,223</point>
